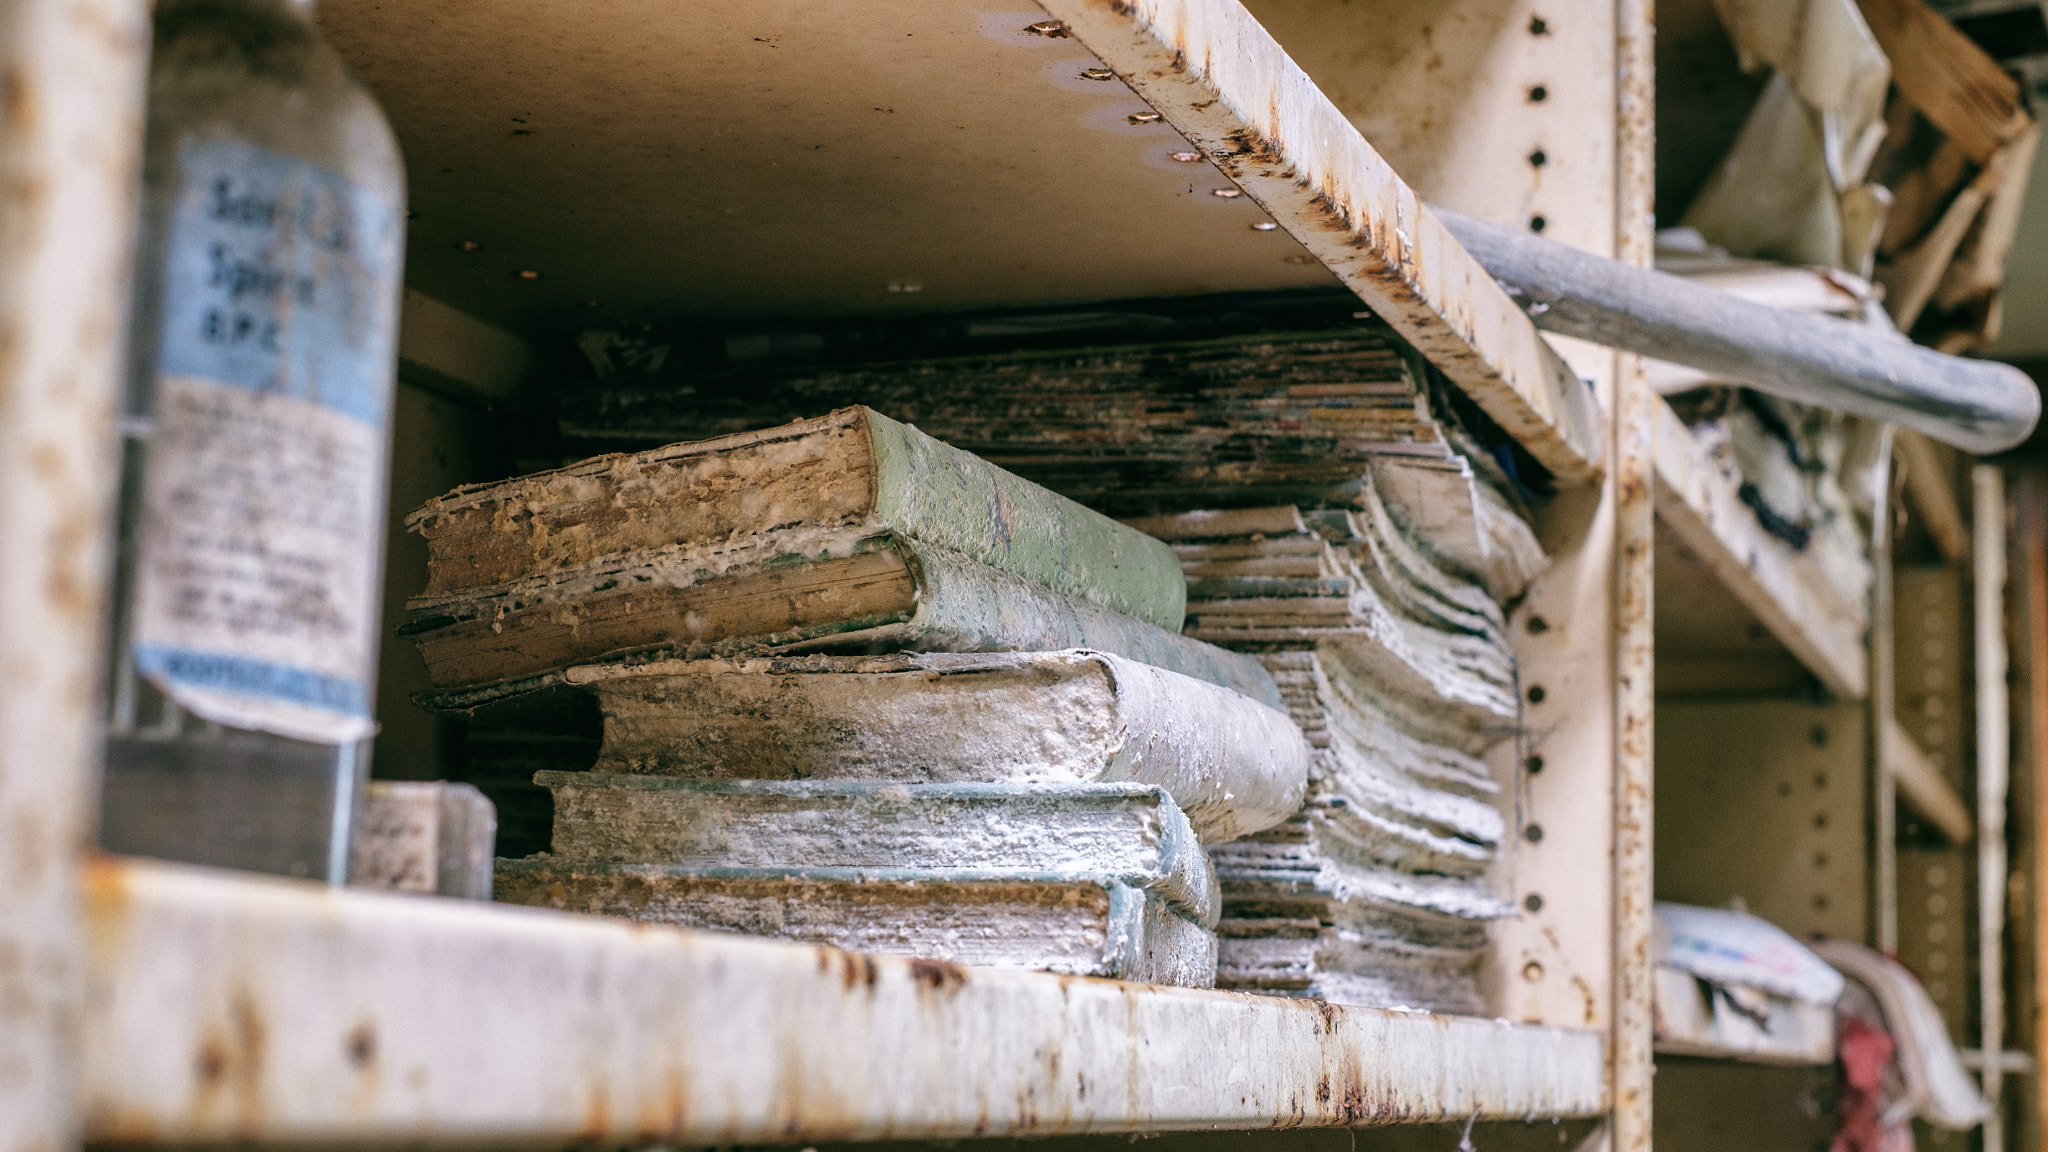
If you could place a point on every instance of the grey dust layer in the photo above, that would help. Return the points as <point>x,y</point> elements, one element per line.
<point>1131,834</point>
<point>1100,879</point>
<point>1236,766</point>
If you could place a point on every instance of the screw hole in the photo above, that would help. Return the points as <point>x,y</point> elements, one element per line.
<point>1538,26</point>
<point>1533,902</point>
<point>1538,625</point>
<point>1538,158</point>
<point>1534,764</point>
<point>1536,694</point>
<point>1533,833</point>
<point>1538,223</point>
<point>1538,94</point>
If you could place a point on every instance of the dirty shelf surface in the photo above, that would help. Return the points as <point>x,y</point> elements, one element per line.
<point>231,1007</point>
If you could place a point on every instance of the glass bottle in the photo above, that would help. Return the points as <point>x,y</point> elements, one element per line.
<point>256,436</point>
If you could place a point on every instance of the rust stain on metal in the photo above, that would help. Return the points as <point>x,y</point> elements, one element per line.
<point>362,1046</point>
<point>937,975</point>
<point>228,1070</point>
<point>856,970</point>
<point>597,1116</point>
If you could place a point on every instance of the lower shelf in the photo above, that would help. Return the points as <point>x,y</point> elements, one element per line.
<point>226,1007</point>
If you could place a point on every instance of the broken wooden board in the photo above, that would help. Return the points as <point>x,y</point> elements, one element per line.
<point>1220,79</point>
<point>347,1016</point>
<point>1954,83</point>
<point>1785,589</point>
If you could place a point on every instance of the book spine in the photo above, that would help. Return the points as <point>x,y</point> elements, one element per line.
<point>1235,765</point>
<point>966,606</point>
<point>942,496</point>
<point>1133,834</point>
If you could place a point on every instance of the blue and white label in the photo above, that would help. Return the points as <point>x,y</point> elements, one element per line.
<point>262,518</point>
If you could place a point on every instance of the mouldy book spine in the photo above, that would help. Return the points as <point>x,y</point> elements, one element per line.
<point>1129,832</point>
<point>940,495</point>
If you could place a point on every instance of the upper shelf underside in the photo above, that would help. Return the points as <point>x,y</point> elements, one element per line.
<point>726,160</point>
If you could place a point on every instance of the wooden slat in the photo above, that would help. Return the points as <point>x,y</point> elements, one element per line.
<point>1920,193</point>
<point>1979,266</point>
<point>1911,277</point>
<point>247,1009</point>
<point>1954,83</point>
<point>1785,589</point>
<point>1218,78</point>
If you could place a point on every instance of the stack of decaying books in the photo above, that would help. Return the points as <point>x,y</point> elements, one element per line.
<point>1368,530</point>
<point>859,688</point>
<point>1397,668</point>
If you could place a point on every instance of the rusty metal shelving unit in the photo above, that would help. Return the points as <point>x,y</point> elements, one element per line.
<point>882,158</point>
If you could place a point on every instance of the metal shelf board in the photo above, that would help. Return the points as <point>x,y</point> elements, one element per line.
<point>228,1007</point>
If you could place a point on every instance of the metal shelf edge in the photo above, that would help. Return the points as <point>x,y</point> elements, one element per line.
<point>231,1007</point>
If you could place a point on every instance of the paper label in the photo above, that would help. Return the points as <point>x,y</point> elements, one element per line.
<point>262,517</point>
